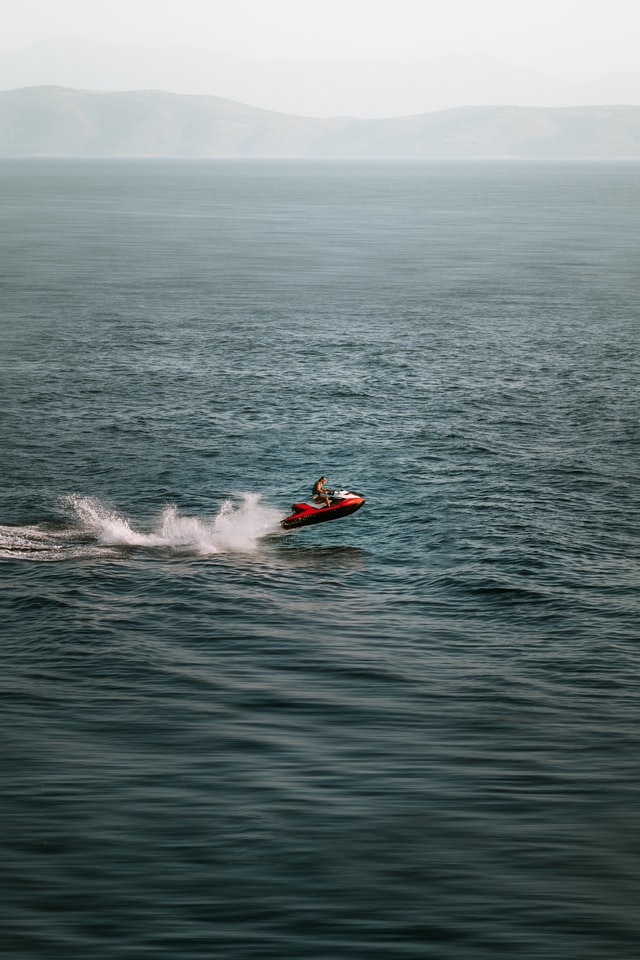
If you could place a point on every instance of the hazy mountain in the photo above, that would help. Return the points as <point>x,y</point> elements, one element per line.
<point>39,121</point>
<point>362,89</point>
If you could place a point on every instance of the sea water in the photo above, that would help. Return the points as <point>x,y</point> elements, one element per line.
<point>411,733</point>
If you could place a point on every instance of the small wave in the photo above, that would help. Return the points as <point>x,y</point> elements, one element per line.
<point>98,530</point>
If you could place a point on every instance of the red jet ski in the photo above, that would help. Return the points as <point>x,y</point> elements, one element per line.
<point>343,502</point>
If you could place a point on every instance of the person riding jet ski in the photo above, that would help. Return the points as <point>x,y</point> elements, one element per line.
<point>320,493</point>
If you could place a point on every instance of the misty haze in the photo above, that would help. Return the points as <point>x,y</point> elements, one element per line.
<point>357,88</point>
<point>54,121</point>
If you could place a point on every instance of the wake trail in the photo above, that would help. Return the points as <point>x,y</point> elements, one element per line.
<point>98,530</point>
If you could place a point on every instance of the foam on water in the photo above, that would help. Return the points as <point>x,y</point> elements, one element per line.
<point>235,528</point>
<point>100,530</point>
<point>35,542</point>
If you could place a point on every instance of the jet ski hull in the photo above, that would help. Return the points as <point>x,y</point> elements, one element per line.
<point>305,514</point>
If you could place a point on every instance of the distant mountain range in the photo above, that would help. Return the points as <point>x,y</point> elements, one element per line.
<point>363,88</point>
<point>57,121</point>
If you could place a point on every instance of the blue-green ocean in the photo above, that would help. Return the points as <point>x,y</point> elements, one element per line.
<point>410,733</point>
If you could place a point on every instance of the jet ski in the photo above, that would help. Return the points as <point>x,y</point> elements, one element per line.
<point>343,502</point>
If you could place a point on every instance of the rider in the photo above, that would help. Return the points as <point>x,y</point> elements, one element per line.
<point>321,493</point>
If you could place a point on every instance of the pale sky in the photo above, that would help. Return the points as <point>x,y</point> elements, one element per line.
<point>571,39</point>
